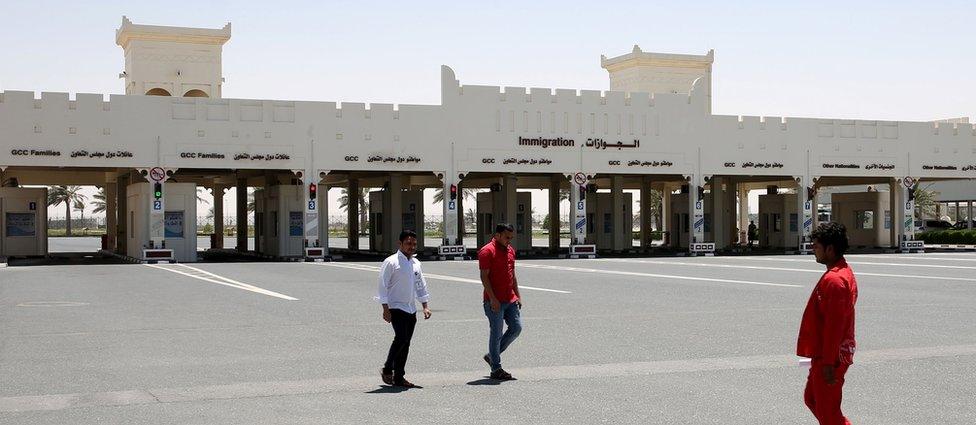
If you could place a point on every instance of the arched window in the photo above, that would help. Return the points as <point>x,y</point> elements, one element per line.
<point>195,93</point>
<point>157,92</point>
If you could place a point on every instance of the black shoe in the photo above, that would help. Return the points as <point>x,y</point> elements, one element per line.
<point>501,375</point>
<point>387,376</point>
<point>406,384</point>
<point>487,359</point>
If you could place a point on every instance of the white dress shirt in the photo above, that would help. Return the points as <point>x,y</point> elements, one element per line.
<point>402,283</point>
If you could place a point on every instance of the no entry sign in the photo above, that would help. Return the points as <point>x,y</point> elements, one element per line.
<point>157,174</point>
<point>580,179</point>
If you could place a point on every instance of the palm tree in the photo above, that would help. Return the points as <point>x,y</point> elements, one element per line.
<point>80,206</point>
<point>925,201</point>
<point>199,197</point>
<point>98,200</point>
<point>67,195</point>
<point>363,206</point>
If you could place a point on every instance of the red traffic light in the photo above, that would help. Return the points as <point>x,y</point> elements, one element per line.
<point>453,192</point>
<point>312,191</point>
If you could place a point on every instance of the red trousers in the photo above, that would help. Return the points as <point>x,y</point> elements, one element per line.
<point>824,400</point>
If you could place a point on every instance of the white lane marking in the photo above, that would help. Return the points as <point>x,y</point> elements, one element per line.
<point>449,380</point>
<point>434,276</point>
<point>206,276</point>
<point>916,257</point>
<point>665,276</point>
<point>871,263</point>
<point>856,273</point>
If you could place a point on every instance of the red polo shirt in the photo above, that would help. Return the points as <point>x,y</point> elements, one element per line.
<point>500,263</point>
<point>827,329</point>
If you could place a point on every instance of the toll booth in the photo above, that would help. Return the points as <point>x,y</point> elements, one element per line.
<point>23,222</point>
<point>381,237</point>
<point>866,215</point>
<point>779,220</point>
<point>599,221</point>
<point>491,208</point>
<point>279,218</point>
<point>180,219</point>
<point>680,224</point>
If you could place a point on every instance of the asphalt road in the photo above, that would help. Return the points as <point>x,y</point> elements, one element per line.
<point>659,340</point>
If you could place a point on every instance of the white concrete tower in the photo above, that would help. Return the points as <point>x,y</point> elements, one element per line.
<point>640,71</point>
<point>172,61</point>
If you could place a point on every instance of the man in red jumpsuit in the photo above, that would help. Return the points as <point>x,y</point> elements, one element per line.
<point>827,330</point>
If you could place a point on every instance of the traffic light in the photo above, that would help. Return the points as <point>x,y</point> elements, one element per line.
<point>312,190</point>
<point>158,190</point>
<point>453,192</point>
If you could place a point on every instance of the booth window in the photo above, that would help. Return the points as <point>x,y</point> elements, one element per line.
<point>794,225</point>
<point>777,222</point>
<point>887,224</point>
<point>864,220</point>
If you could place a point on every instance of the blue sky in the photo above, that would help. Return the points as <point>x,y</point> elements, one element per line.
<point>892,60</point>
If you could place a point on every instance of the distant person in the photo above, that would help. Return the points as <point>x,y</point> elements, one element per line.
<point>753,232</point>
<point>827,329</point>
<point>502,300</point>
<point>401,284</point>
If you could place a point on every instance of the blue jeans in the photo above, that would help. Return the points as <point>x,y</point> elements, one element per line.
<point>498,342</point>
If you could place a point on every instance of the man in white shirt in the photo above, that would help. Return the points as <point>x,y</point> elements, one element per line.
<point>401,284</point>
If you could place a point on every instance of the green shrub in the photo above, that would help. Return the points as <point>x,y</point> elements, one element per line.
<point>958,237</point>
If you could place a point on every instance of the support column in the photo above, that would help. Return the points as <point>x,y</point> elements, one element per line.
<point>310,178</point>
<point>696,206</point>
<point>577,212</point>
<point>906,213</point>
<point>646,229</point>
<point>805,198</point>
<point>451,211</point>
<point>621,235</point>
<point>554,185</point>
<point>743,214</point>
<point>719,229</point>
<point>122,214</point>
<point>395,208</point>
<point>352,214</point>
<point>510,189</point>
<point>958,212</point>
<point>111,213</point>
<point>669,238</point>
<point>460,213</point>
<point>893,205</point>
<point>242,215</point>
<point>218,207</point>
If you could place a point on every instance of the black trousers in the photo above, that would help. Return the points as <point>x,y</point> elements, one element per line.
<point>403,325</point>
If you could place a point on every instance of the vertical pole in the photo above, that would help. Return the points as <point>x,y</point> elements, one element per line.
<point>554,185</point>
<point>696,205</point>
<point>451,210</point>
<point>352,214</point>
<point>577,211</point>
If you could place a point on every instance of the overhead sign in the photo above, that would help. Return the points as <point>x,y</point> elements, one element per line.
<point>157,174</point>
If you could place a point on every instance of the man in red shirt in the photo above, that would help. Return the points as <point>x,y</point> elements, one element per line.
<point>827,330</point>
<point>502,300</point>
